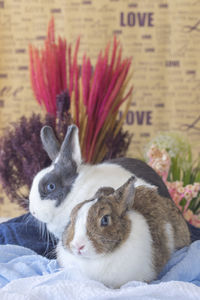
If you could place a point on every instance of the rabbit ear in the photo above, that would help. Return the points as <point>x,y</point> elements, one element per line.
<point>70,148</point>
<point>50,143</point>
<point>125,195</point>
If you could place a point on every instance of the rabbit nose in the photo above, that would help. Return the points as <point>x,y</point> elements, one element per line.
<point>78,248</point>
<point>81,248</point>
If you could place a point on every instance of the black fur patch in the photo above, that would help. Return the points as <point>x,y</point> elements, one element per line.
<point>63,178</point>
<point>141,170</point>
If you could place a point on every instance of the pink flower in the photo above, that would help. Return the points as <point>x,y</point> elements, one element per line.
<point>196,187</point>
<point>192,218</point>
<point>188,195</point>
<point>160,161</point>
<point>181,190</point>
<point>153,152</point>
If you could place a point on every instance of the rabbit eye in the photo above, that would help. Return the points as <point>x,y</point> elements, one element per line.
<point>105,220</point>
<point>51,187</point>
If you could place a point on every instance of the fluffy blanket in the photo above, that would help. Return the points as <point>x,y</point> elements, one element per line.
<point>26,275</point>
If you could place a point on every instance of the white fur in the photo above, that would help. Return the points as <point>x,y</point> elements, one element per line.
<point>41,209</point>
<point>89,180</point>
<point>80,237</point>
<point>76,153</point>
<point>133,260</point>
<point>170,237</point>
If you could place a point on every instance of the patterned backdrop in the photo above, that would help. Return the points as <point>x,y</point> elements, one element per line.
<point>162,36</point>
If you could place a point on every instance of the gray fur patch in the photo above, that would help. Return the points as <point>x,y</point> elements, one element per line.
<point>62,177</point>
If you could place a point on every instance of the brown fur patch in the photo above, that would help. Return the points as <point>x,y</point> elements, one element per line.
<point>106,239</point>
<point>158,211</point>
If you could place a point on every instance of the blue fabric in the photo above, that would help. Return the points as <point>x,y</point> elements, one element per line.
<point>23,272</point>
<point>194,232</point>
<point>25,231</point>
<point>184,265</point>
<point>19,262</point>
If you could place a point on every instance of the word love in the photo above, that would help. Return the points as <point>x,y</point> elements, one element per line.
<point>138,117</point>
<point>132,19</point>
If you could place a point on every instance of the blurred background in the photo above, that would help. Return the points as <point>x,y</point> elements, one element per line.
<point>161,37</point>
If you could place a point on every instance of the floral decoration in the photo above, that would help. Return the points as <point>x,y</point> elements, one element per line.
<point>170,156</point>
<point>96,92</point>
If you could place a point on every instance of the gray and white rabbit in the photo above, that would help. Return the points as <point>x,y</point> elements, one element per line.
<point>123,235</point>
<point>68,181</point>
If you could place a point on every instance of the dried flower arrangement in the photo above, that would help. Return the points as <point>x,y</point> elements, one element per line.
<point>68,93</point>
<point>21,152</point>
<point>96,95</point>
<point>169,154</point>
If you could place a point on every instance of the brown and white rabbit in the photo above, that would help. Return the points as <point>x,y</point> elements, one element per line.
<point>67,181</point>
<point>123,235</point>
